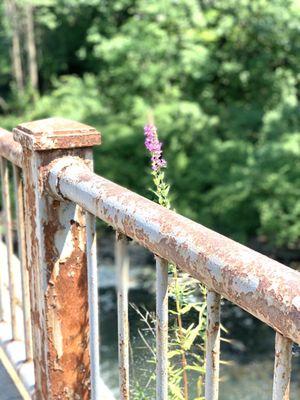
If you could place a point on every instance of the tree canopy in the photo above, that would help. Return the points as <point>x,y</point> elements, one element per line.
<point>220,77</point>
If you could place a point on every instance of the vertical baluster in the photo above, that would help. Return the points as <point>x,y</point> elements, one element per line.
<point>282,368</point>
<point>93,305</point>
<point>212,346</point>
<point>161,329</point>
<point>18,189</point>
<point>1,292</point>
<point>2,318</point>
<point>9,246</point>
<point>122,260</point>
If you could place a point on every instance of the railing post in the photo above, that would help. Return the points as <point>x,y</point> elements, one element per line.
<point>122,262</point>
<point>282,368</point>
<point>212,346</point>
<point>57,260</point>
<point>19,201</point>
<point>9,247</point>
<point>161,329</point>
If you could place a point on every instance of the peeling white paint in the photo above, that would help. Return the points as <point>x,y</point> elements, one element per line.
<point>55,323</point>
<point>214,267</point>
<point>246,284</point>
<point>296,302</point>
<point>56,269</point>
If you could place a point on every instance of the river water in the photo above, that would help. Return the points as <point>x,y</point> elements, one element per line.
<point>248,371</point>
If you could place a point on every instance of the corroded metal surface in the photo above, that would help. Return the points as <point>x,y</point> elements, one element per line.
<point>58,277</point>
<point>56,133</point>
<point>56,253</point>
<point>122,262</point>
<point>263,287</point>
<point>212,346</point>
<point>9,148</point>
<point>15,350</point>
<point>57,166</point>
<point>282,368</point>
<point>161,329</point>
<point>19,201</point>
<point>9,246</point>
<point>91,251</point>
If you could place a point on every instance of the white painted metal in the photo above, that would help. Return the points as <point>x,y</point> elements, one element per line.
<point>161,329</point>
<point>122,262</point>
<point>2,268</point>
<point>9,246</point>
<point>282,368</point>
<point>212,346</point>
<point>91,251</point>
<point>15,350</point>
<point>18,188</point>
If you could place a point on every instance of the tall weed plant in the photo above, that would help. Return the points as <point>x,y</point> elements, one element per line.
<point>186,297</point>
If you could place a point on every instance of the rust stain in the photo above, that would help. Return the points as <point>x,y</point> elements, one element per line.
<point>65,298</point>
<point>56,133</point>
<point>263,287</point>
<point>57,262</point>
<point>37,316</point>
<point>67,326</point>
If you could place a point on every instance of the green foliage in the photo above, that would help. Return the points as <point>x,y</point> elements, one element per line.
<point>192,306</point>
<point>187,339</point>
<point>222,80</point>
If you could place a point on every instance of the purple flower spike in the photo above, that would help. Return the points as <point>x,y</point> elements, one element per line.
<point>154,146</point>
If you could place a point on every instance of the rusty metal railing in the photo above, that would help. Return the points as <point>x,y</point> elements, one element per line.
<point>15,323</point>
<point>62,197</point>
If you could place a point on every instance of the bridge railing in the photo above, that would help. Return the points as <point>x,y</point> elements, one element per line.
<point>62,197</point>
<point>15,325</point>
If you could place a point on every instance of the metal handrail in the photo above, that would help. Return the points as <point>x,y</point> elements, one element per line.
<point>57,187</point>
<point>264,287</point>
<point>10,149</point>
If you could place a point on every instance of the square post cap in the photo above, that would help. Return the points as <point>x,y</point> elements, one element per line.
<point>56,133</point>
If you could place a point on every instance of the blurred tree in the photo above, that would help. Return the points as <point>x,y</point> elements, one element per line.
<point>13,17</point>
<point>31,48</point>
<point>222,81</point>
